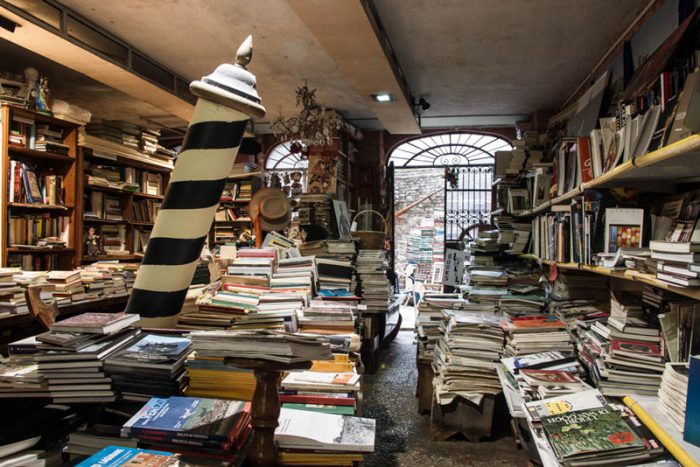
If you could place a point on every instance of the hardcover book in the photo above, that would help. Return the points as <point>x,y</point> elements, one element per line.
<point>116,456</point>
<point>565,404</point>
<point>97,323</point>
<point>589,434</point>
<point>153,349</point>
<point>188,417</point>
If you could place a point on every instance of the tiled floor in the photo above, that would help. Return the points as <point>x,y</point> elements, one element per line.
<point>403,436</point>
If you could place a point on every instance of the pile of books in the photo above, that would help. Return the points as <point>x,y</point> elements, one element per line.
<point>315,209</point>
<point>149,141</point>
<point>536,385</point>
<point>327,317</point>
<point>431,320</point>
<point>71,355</point>
<point>536,333</point>
<point>20,377</point>
<point>295,275</point>
<point>513,236</point>
<point>466,356</point>
<point>196,427</point>
<point>677,262</point>
<point>374,286</point>
<point>49,138</point>
<point>265,345</point>
<point>151,365</point>
<point>673,393</point>
<point>210,377</point>
<point>334,274</point>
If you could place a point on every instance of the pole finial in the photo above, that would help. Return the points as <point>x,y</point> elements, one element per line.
<point>245,52</point>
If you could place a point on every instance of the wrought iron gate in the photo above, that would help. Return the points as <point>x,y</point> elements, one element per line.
<point>469,202</point>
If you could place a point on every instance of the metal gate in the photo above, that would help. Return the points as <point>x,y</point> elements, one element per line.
<point>468,203</point>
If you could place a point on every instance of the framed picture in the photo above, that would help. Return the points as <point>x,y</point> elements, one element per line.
<point>623,228</point>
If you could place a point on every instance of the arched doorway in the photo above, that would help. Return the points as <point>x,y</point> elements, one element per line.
<point>450,173</point>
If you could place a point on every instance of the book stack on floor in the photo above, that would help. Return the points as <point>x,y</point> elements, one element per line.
<point>545,384</point>
<point>673,393</point>
<point>512,236</point>
<point>627,350</point>
<point>536,333</point>
<point>374,286</point>
<point>486,242</point>
<point>71,355</point>
<point>677,262</point>
<point>12,295</point>
<point>466,356</point>
<point>202,429</point>
<point>316,438</point>
<point>151,365</point>
<point>431,321</point>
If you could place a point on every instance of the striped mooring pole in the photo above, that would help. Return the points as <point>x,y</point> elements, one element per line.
<point>227,99</point>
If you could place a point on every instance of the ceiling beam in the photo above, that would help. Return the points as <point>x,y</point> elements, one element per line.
<point>347,34</point>
<point>69,53</point>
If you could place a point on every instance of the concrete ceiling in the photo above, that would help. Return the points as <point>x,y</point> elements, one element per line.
<point>504,57</point>
<point>473,58</point>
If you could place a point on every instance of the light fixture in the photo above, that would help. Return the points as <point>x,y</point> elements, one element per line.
<point>383,97</point>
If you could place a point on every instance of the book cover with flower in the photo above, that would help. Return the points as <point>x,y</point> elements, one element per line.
<point>590,433</point>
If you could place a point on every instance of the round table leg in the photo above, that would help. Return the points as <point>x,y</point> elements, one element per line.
<point>265,411</point>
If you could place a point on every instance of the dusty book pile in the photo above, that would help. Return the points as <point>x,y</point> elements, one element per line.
<point>373,284</point>
<point>673,393</point>
<point>466,356</point>
<point>430,321</point>
<point>327,317</point>
<point>536,333</point>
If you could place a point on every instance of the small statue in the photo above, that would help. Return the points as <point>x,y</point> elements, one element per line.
<point>93,248</point>
<point>43,95</point>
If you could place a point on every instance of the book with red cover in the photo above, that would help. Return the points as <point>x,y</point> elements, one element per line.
<point>636,349</point>
<point>533,323</point>
<point>585,163</point>
<point>319,400</point>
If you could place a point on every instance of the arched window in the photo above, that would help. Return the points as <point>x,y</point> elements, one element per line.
<point>280,157</point>
<point>448,149</point>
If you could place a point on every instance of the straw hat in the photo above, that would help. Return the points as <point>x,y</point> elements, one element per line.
<point>271,207</point>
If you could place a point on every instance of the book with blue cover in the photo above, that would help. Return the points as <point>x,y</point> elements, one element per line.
<point>115,456</point>
<point>189,417</point>
<point>153,351</point>
<point>691,433</point>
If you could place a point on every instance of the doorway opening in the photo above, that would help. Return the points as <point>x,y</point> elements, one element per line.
<point>441,194</point>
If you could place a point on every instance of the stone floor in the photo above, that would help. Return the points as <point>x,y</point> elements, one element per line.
<point>403,436</point>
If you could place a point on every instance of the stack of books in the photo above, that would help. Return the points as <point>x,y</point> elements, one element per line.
<point>295,275</point>
<point>49,138</point>
<point>209,377</point>
<point>677,262</point>
<point>151,365</point>
<point>315,209</point>
<point>673,393</point>
<point>71,355</point>
<point>542,384</point>
<point>149,141</point>
<point>536,333</point>
<point>334,274</point>
<point>90,442</point>
<point>327,317</point>
<point>323,383</point>
<point>316,438</point>
<point>258,266</point>
<point>431,321</point>
<point>20,377</point>
<point>266,345</point>
<point>374,286</point>
<point>276,310</point>
<point>212,429</point>
<point>572,401</point>
<point>466,356</point>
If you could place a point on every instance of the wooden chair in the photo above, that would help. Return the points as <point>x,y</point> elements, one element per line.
<point>44,312</point>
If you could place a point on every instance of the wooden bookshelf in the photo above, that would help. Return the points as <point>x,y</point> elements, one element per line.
<point>93,152</point>
<point>62,165</point>
<point>257,182</point>
<point>672,164</point>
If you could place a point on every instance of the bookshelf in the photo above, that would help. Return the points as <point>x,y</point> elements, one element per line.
<point>53,171</point>
<point>676,162</point>
<point>132,208</point>
<point>232,218</point>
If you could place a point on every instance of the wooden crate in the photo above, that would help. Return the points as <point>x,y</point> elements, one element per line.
<point>461,416</point>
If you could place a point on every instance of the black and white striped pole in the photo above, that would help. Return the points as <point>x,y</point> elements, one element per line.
<point>227,99</point>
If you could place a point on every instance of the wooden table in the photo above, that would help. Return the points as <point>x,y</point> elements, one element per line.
<point>265,408</point>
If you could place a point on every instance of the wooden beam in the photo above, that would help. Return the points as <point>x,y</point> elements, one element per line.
<point>403,211</point>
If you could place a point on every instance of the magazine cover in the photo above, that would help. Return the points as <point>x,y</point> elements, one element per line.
<point>153,348</point>
<point>590,432</point>
<point>116,456</point>
<point>564,404</point>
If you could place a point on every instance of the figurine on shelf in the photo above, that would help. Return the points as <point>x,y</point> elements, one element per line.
<point>93,249</point>
<point>42,97</point>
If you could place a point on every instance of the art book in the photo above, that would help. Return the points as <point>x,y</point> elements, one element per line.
<point>190,418</point>
<point>636,349</point>
<point>565,404</point>
<point>116,456</point>
<point>592,433</point>
<point>300,429</point>
<point>549,378</point>
<point>554,360</point>
<point>153,349</point>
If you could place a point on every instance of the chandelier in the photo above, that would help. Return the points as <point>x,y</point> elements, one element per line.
<point>312,127</point>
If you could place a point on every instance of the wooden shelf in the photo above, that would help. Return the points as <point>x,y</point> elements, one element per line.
<point>236,201</point>
<point>140,223</point>
<point>48,156</point>
<point>95,220</point>
<point>146,195</point>
<point>628,275</point>
<point>116,153</point>
<point>246,220</point>
<point>40,207</point>
<point>38,251</point>
<point>674,163</point>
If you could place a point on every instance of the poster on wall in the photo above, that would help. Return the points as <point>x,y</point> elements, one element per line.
<point>454,267</point>
<point>322,174</point>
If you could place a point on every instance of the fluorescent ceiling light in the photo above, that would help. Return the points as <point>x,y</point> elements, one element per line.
<point>383,97</point>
